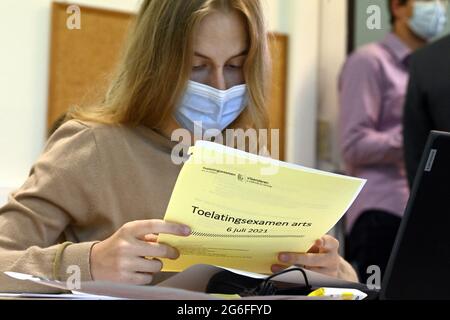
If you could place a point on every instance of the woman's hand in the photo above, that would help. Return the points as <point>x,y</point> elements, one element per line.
<point>121,257</point>
<point>323,258</point>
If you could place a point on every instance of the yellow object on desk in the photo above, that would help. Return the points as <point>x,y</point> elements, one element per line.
<point>337,293</point>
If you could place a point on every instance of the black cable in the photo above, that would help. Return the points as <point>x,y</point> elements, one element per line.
<point>268,287</point>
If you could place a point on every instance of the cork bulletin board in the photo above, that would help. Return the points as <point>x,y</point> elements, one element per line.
<point>82,61</point>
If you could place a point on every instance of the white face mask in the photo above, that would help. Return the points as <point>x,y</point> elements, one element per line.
<point>215,109</point>
<point>429,19</point>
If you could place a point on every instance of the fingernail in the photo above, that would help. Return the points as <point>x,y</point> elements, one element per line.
<point>186,231</point>
<point>284,257</point>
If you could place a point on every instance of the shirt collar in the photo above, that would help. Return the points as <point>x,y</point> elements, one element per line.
<point>397,48</point>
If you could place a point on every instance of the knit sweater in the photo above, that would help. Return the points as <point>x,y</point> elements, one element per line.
<point>90,180</point>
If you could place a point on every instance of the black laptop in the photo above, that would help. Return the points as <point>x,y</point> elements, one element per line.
<point>419,266</point>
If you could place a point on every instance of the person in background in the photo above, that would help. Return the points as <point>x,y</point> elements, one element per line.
<point>372,90</point>
<point>427,102</point>
<point>97,196</point>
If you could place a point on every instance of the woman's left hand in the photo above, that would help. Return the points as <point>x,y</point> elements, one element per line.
<point>323,258</point>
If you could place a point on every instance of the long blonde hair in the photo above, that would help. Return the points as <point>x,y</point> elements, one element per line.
<point>153,74</point>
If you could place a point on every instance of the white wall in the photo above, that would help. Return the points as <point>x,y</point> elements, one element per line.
<point>23,86</point>
<point>304,24</point>
<point>4,192</point>
<point>24,65</point>
<point>300,19</point>
<point>333,52</point>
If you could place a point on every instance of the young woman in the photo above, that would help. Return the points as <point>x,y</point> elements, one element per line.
<point>96,197</point>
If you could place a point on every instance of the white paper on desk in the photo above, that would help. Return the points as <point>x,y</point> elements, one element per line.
<point>187,285</point>
<point>53,284</point>
<point>96,290</point>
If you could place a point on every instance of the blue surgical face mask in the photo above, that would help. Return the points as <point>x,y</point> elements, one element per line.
<point>215,109</point>
<point>428,20</point>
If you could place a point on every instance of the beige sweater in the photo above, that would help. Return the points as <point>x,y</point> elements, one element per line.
<point>90,180</point>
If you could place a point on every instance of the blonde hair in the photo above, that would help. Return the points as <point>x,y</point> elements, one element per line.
<point>153,74</point>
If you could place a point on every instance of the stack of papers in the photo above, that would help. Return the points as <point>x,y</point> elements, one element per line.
<point>245,209</point>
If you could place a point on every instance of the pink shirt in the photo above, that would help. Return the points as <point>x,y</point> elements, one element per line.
<point>372,89</point>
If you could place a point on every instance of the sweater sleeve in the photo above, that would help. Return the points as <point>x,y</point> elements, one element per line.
<point>60,192</point>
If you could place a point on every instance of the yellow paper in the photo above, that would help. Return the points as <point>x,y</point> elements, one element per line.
<point>244,209</point>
